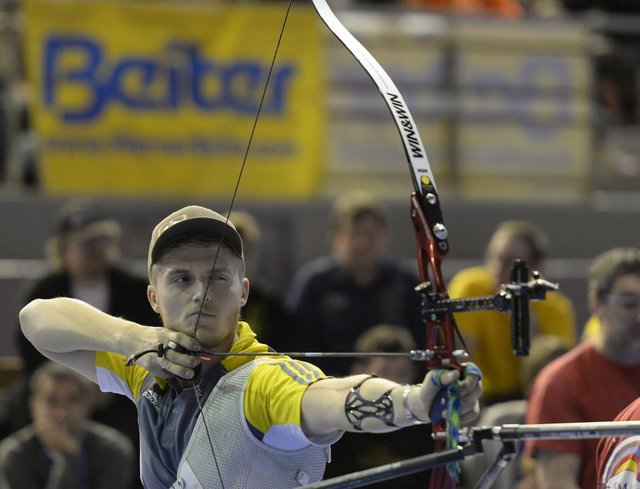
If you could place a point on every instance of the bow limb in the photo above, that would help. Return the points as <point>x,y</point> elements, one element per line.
<point>425,212</point>
<point>414,149</point>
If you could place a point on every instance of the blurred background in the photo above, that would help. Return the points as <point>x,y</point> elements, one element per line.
<point>527,110</point>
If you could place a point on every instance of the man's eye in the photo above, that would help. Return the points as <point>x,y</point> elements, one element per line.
<point>625,301</point>
<point>179,279</point>
<point>631,303</point>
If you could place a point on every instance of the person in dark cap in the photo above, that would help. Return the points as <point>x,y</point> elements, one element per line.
<point>216,408</point>
<point>84,251</point>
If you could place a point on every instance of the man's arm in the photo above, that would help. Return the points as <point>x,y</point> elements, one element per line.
<point>69,332</point>
<point>555,470</point>
<point>324,404</point>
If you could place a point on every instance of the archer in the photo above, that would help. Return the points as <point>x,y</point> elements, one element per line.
<point>263,422</point>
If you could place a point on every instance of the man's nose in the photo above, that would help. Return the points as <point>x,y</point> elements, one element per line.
<point>59,411</point>
<point>202,289</point>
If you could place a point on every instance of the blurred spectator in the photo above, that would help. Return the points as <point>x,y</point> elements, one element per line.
<point>392,339</point>
<point>25,142</point>
<point>336,298</point>
<point>596,379</point>
<point>591,328</point>
<point>18,152</point>
<point>541,9</point>
<point>62,449</point>
<point>614,6</point>
<point>617,63</point>
<point>617,456</point>
<point>487,333</point>
<point>4,129</point>
<point>84,251</point>
<point>264,310</point>
<point>357,451</point>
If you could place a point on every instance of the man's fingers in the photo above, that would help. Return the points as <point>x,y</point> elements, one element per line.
<point>175,369</point>
<point>470,386</point>
<point>182,359</point>
<point>441,377</point>
<point>185,341</point>
<point>172,359</point>
<point>469,390</point>
<point>470,413</point>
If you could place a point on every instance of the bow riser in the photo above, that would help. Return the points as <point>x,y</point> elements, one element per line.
<point>430,252</point>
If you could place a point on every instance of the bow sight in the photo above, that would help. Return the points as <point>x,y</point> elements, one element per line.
<point>514,297</point>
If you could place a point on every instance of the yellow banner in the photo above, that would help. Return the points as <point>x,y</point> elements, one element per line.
<point>157,99</point>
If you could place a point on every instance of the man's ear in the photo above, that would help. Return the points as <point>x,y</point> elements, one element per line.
<point>153,298</point>
<point>245,291</point>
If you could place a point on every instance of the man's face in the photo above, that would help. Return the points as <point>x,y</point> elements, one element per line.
<point>87,258</point>
<point>360,243</point>
<point>179,293</point>
<point>60,403</point>
<point>502,250</point>
<point>619,311</point>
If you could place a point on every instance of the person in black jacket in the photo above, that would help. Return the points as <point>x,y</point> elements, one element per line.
<point>62,448</point>
<point>84,252</point>
<point>335,298</point>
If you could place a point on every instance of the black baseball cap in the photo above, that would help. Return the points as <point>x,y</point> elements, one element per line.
<point>85,221</point>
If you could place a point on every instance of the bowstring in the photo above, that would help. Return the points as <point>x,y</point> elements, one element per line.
<point>196,387</point>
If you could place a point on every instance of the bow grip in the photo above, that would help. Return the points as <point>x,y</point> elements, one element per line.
<point>438,406</point>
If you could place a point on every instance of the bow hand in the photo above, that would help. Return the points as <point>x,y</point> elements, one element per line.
<point>441,388</point>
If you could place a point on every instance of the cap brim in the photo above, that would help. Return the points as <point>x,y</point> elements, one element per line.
<point>99,229</point>
<point>202,226</point>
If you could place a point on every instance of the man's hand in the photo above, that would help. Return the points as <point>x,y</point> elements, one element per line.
<point>57,437</point>
<point>174,361</point>
<point>469,390</point>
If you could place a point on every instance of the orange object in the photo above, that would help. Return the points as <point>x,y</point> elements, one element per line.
<point>504,8</point>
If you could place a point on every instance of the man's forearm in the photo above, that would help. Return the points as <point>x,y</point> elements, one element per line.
<point>64,325</point>
<point>69,331</point>
<point>365,403</point>
<point>360,403</point>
